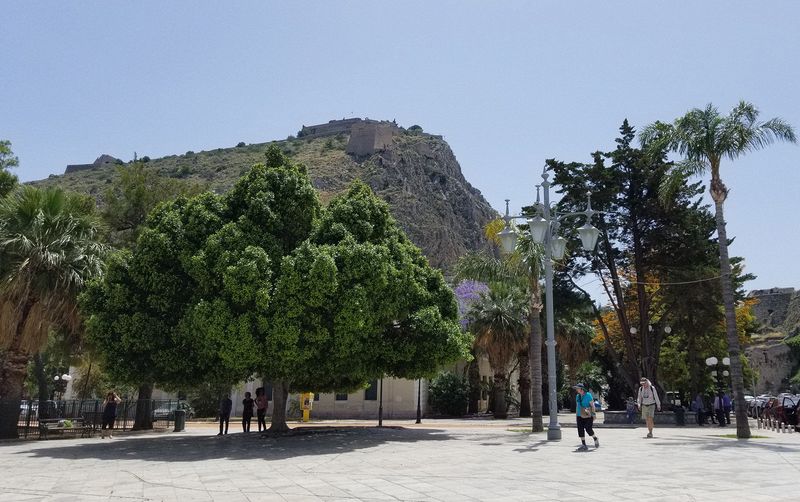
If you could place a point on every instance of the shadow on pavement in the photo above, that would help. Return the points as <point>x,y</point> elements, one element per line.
<point>712,443</point>
<point>191,448</point>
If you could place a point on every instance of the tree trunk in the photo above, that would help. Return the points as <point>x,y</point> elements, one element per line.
<point>524,381</point>
<point>499,391</point>
<point>42,385</point>
<point>12,376</point>
<point>734,351</point>
<point>144,408</point>
<point>474,376</point>
<point>535,350</point>
<point>280,394</point>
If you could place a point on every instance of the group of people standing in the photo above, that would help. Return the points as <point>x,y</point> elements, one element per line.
<point>716,408</point>
<point>259,404</point>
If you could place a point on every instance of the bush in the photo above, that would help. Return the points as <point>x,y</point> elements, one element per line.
<point>449,394</point>
<point>240,144</point>
<point>415,129</point>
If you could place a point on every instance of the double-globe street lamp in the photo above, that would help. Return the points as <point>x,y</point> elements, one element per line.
<point>543,229</point>
<point>61,382</point>
<point>713,362</point>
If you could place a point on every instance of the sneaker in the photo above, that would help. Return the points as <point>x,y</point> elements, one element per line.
<point>596,443</point>
<point>583,447</point>
<point>649,434</point>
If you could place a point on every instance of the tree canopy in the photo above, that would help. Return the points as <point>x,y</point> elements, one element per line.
<point>264,281</point>
<point>7,161</point>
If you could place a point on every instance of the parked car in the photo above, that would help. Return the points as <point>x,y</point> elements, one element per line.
<point>167,411</point>
<point>783,409</point>
<point>756,407</point>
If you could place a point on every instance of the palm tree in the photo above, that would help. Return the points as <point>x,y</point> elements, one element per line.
<point>498,322</point>
<point>49,249</point>
<point>521,269</point>
<point>704,138</point>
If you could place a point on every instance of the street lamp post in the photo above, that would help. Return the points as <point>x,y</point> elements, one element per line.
<point>419,400</point>
<point>61,382</point>
<point>713,362</point>
<point>542,229</point>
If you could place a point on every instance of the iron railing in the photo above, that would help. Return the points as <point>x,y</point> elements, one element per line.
<point>161,411</point>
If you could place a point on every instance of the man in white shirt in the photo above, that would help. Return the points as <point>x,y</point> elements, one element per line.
<point>648,402</point>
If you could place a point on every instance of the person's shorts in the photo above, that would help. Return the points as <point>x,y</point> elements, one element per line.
<point>648,410</point>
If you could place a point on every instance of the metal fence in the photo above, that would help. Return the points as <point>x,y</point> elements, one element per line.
<point>162,413</point>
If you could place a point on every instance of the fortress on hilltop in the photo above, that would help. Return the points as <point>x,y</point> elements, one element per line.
<point>366,136</point>
<point>101,161</point>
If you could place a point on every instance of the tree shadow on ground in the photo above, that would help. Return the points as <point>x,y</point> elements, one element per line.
<point>712,443</point>
<point>192,448</point>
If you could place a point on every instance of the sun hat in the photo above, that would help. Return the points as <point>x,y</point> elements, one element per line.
<point>579,386</point>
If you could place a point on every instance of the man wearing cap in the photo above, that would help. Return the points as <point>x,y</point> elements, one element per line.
<point>648,402</point>
<point>584,411</point>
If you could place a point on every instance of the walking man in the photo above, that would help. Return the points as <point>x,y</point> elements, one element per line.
<point>648,402</point>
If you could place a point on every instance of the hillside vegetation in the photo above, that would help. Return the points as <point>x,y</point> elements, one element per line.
<point>417,175</point>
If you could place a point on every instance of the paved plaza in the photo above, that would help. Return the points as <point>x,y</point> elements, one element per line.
<point>438,461</point>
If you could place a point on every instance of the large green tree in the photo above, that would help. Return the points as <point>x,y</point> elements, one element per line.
<point>642,243</point>
<point>703,137</point>
<point>263,281</point>
<point>49,249</point>
<point>356,301</point>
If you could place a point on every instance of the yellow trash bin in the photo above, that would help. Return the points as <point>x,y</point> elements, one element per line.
<point>306,403</point>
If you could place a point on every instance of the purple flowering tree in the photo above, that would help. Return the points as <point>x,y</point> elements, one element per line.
<point>467,293</point>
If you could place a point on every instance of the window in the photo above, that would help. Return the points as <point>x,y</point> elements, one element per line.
<point>371,392</point>
<point>316,396</point>
<point>341,397</point>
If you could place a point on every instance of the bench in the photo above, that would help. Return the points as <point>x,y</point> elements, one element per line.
<point>58,425</point>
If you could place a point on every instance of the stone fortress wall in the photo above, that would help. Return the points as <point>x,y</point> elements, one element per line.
<point>101,161</point>
<point>366,136</point>
<point>768,354</point>
<point>772,306</point>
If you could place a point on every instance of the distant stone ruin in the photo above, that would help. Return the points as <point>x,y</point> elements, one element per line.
<point>101,161</point>
<point>778,312</point>
<point>772,305</point>
<point>366,136</point>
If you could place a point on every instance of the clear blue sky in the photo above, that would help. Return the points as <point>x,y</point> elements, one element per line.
<point>508,85</point>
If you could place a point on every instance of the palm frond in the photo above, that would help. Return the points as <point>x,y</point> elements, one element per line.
<point>48,251</point>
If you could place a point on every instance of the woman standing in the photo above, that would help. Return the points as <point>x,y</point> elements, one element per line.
<point>109,414</point>
<point>585,412</point>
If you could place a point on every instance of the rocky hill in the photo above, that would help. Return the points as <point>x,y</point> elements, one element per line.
<point>416,173</point>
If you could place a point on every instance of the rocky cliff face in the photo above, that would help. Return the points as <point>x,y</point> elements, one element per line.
<point>417,174</point>
<point>440,211</point>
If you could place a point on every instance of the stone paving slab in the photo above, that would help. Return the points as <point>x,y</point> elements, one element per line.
<point>434,461</point>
